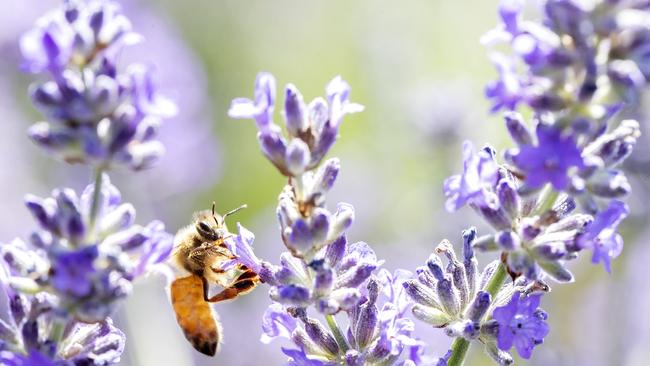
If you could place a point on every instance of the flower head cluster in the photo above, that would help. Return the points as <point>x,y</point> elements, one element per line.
<point>312,128</point>
<point>463,302</point>
<point>88,265</point>
<point>33,332</point>
<point>452,297</point>
<point>577,143</point>
<point>376,334</point>
<point>558,191</point>
<point>321,269</point>
<point>96,113</point>
<point>65,281</point>
<point>581,51</point>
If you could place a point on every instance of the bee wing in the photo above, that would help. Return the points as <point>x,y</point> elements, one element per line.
<point>195,316</point>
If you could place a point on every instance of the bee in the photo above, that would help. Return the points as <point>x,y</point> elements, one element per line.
<point>200,251</point>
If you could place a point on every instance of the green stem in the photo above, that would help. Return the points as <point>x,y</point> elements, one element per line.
<point>496,281</point>
<point>458,352</point>
<point>546,200</point>
<point>56,330</point>
<point>460,346</point>
<point>334,327</point>
<point>98,171</point>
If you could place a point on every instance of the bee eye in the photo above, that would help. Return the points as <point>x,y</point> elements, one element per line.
<point>205,230</point>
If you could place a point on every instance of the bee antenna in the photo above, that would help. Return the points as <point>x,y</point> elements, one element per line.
<point>214,216</point>
<point>233,211</point>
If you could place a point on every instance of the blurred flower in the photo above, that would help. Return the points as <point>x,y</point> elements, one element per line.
<point>34,333</point>
<point>600,235</point>
<point>567,39</point>
<point>97,115</point>
<point>87,262</point>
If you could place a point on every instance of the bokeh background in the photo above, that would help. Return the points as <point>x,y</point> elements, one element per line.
<point>418,68</point>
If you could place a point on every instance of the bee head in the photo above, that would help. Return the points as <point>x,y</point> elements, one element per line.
<point>213,227</point>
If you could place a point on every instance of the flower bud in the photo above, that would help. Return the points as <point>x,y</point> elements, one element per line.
<point>297,157</point>
<point>448,296</point>
<point>294,111</point>
<point>509,198</point>
<point>517,128</point>
<point>610,184</point>
<point>479,306</point>
<point>420,293</point>
<point>430,315</point>
<point>320,336</point>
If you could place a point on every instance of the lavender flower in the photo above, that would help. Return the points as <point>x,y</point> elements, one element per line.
<point>96,114</point>
<point>331,283</point>
<point>475,183</point>
<point>35,333</point>
<point>550,160</point>
<point>521,323</point>
<point>376,335</point>
<point>601,237</point>
<point>312,128</point>
<point>321,269</point>
<point>569,39</point>
<point>89,264</point>
<point>452,297</point>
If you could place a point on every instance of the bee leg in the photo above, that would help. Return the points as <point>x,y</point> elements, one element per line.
<point>242,285</point>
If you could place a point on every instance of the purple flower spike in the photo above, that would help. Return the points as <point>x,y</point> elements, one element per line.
<point>521,323</point>
<point>475,184</point>
<point>96,113</point>
<point>508,91</point>
<point>261,110</point>
<point>550,160</point>
<point>601,236</point>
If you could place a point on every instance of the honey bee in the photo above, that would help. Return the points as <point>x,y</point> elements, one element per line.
<point>200,250</point>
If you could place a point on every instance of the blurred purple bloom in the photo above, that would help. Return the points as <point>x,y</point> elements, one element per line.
<point>96,114</point>
<point>550,160</point>
<point>26,331</point>
<point>76,33</point>
<point>601,236</point>
<point>508,91</point>
<point>73,270</point>
<point>477,182</point>
<point>91,265</point>
<point>521,323</point>
<point>442,361</point>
